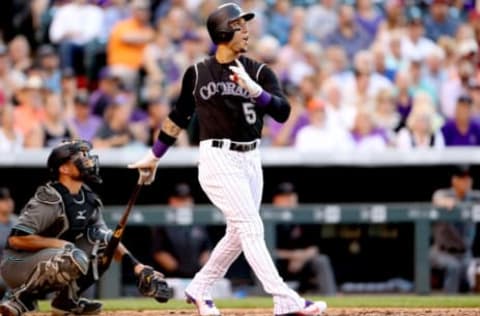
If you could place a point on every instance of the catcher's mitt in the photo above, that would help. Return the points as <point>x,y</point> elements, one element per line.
<point>152,283</point>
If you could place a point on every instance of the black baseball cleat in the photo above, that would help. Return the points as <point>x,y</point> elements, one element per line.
<point>83,306</point>
<point>310,309</point>
<point>17,307</point>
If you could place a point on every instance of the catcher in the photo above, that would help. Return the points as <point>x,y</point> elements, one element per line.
<point>57,244</point>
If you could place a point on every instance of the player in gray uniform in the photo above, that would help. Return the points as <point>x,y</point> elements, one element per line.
<point>60,233</point>
<point>230,95</point>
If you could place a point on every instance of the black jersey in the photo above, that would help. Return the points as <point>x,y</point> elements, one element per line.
<point>224,109</point>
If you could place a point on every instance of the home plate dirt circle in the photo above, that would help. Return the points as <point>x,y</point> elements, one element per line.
<point>331,312</point>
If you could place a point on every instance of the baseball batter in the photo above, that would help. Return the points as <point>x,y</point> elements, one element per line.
<point>231,94</point>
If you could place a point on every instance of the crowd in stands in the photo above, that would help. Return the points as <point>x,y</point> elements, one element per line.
<point>364,74</point>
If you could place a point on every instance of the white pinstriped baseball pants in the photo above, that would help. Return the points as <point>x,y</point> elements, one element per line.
<point>233,181</point>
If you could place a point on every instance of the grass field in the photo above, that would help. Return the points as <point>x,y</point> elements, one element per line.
<point>360,301</point>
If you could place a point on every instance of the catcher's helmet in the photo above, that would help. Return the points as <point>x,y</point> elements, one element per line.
<point>218,22</point>
<point>78,151</point>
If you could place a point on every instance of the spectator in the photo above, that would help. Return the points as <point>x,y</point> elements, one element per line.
<point>394,21</point>
<point>280,21</point>
<point>320,133</point>
<point>30,112</point>
<point>348,34</point>
<point>20,54</point>
<point>108,88</point>
<point>55,128</point>
<point>420,131</point>
<point>180,251</point>
<point>384,113</point>
<point>321,19</point>
<point>158,111</point>
<point>114,11</point>
<point>161,66</point>
<point>365,135</point>
<point>368,17</point>
<point>49,63</point>
<point>439,21</point>
<point>84,123</point>
<point>11,140</point>
<point>115,131</point>
<point>69,90</point>
<point>403,98</point>
<point>362,86</point>
<point>452,242</point>
<point>462,130</point>
<point>75,26</point>
<point>7,220</point>
<point>10,79</point>
<point>127,43</point>
<point>415,44</point>
<point>284,134</point>
<point>297,250</point>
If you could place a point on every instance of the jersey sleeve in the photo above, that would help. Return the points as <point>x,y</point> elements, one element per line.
<point>183,110</point>
<point>36,217</point>
<point>278,108</point>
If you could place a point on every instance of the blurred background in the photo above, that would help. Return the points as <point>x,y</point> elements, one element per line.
<point>376,164</point>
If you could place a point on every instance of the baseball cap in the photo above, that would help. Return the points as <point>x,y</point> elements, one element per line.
<point>461,171</point>
<point>4,193</point>
<point>81,99</point>
<point>285,188</point>
<point>315,104</point>
<point>46,50</point>
<point>182,190</point>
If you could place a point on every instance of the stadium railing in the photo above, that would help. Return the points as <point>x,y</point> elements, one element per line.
<point>420,214</point>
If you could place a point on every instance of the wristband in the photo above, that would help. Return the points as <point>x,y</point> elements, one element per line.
<point>159,148</point>
<point>263,99</point>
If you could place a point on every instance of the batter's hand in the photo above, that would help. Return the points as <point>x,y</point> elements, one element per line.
<point>147,167</point>
<point>241,77</point>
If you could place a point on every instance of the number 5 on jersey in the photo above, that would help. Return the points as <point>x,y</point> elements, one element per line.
<point>249,111</point>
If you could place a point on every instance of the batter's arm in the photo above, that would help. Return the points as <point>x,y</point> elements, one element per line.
<point>278,107</point>
<point>177,120</point>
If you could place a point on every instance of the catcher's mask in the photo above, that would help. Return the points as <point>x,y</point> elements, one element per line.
<point>77,151</point>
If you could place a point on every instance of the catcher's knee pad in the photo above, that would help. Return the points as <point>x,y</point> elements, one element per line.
<point>58,271</point>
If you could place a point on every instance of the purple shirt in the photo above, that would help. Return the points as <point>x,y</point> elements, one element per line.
<point>275,127</point>
<point>453,137</point>
<point>86,130</point>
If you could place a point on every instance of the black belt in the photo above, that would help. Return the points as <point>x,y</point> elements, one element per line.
<point>235,146</point>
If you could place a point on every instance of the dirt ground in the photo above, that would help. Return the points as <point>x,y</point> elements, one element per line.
<point>330,312</point>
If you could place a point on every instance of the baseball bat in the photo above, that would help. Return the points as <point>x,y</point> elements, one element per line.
<point>118,232</point>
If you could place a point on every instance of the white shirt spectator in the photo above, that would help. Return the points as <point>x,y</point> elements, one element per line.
<point>419,50</point>
<point>77,23</point>
<point>8,145</point>
<point>405,140</point>
<point>315,138</point>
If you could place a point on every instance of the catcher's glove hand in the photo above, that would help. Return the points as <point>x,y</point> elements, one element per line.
<point>152,283</point>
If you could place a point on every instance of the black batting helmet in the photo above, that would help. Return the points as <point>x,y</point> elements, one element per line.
<point>78,151</point>
<point>218,22</point>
